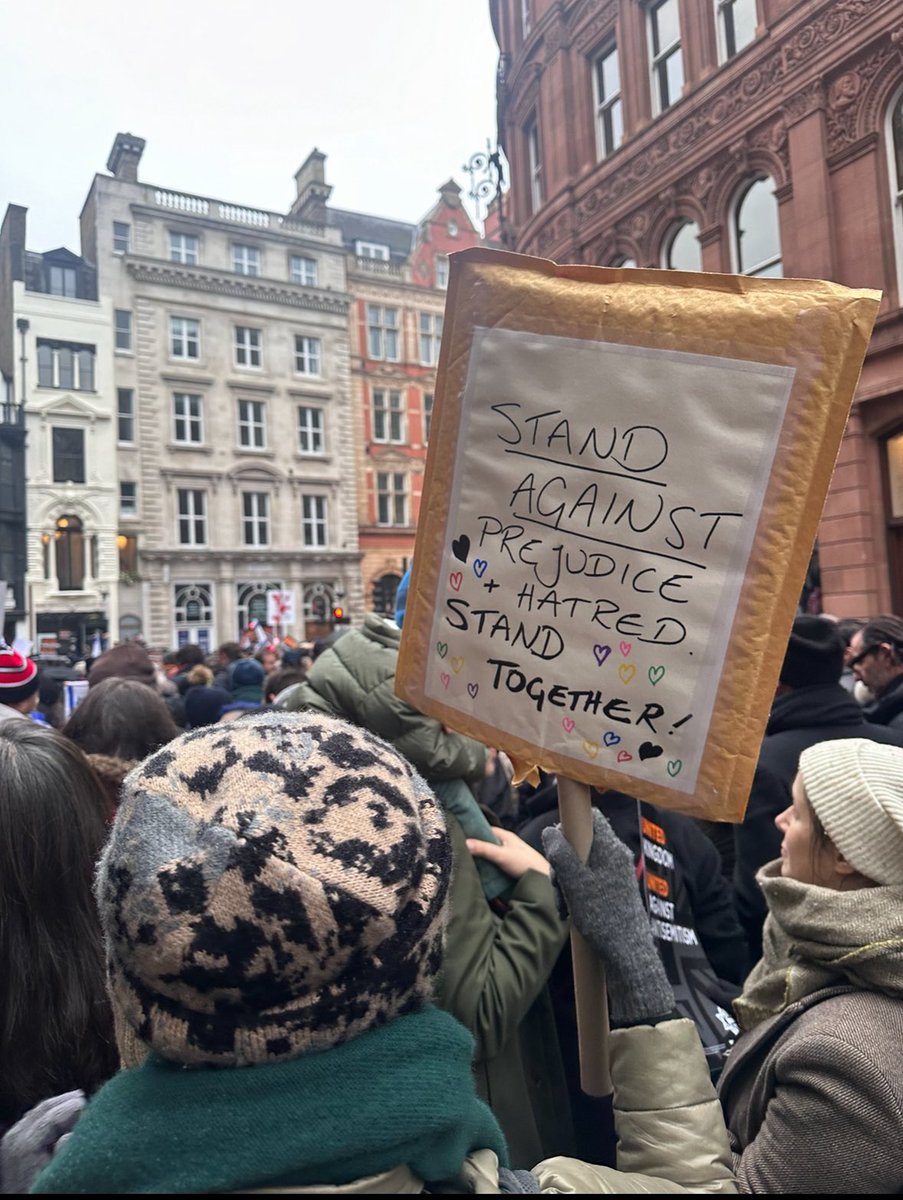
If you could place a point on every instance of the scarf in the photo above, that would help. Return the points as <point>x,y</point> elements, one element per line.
<point>400,1094</point>
<point>816,937</point>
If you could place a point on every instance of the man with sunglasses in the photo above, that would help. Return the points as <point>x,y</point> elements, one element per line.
<point>876,658</point>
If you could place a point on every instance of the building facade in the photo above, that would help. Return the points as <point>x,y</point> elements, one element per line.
<point>234,424</point>
<point>760,137</point>
<point>63,379</point>
<point>397,276</point>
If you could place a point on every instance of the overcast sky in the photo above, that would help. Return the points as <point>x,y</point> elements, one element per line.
<point>231,96</point>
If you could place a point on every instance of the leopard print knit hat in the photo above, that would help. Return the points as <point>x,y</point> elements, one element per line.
<point>271,886</point>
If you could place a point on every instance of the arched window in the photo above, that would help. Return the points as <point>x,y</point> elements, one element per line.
<point>70,554</point>
<point>384,590</point>
<point>252,602</point>
<point>894,139</point>
<point>682,251</point>
<point>621,260</point>
<point>757,234</point>
<point>319,599</point>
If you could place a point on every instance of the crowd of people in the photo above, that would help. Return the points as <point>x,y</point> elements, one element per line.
<point>267,927</point>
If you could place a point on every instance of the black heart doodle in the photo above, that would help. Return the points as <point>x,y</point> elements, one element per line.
<point>648,750</point>
<point>461,547</point>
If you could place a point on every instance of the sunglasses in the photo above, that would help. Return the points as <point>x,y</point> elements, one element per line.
<point>863,654</point>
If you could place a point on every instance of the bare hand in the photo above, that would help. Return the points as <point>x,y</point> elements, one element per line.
<point>513,856</point>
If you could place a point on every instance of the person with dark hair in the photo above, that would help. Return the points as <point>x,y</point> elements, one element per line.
<point>128,660</point>
<point>118,724</point>
<point>19,685</point>
<point>280,679</point>
<point>50,700</point>
<point>810,706</point>
<point>205,705</point>
<point>876,659</point>
<point>847,627</point>
<point>227,654</point>
<point>56,1029</point>
<point>273,953</point>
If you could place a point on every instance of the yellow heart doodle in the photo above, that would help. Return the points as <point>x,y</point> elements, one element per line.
<point>456,663</point>
<point>627,672</point>
<point>591,748</point>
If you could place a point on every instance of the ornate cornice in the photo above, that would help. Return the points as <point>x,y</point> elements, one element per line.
<point>598,21</point>
<point>243,288</point>
<point>767,82</point>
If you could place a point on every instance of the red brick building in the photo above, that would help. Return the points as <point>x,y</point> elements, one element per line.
<point>397,275</point>
<point>760,137</point>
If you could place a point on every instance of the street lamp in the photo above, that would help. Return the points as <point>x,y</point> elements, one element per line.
<point>486,169</point>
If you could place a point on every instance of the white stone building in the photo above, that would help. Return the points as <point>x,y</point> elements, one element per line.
<point>63,370</point>
<point>234,428</point>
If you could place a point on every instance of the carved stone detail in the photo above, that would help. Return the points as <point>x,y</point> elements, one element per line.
<point>853,98</point>
<point>601,22</point>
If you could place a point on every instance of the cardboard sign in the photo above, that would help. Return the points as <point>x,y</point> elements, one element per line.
<point>623,487</point>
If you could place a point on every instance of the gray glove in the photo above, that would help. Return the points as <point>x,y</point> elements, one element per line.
<point>605,905</point>
<point>31,1143</point>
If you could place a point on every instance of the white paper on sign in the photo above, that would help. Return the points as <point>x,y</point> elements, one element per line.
<point>599,530</point>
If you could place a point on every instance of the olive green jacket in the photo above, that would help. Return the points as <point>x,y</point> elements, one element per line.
<point>355,679</point>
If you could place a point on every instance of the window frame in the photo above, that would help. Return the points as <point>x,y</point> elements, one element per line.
<point>375,250</point>
<point>68,281</point>
<point>252,424</point>
<point>392,493</point>
<point>186,337</point>
<point>674,231</point>
<point>245,259</point>
<point>427,409</point>
<point>608,139</point>
<point>305,277</point>
<point>429,337</point>
<point>247,342</point>
<point>122,329</point>
<point>123,415</point>
<point>75,373</point>
<point>307,428</point>
<point>187,256</point>
<point>534,162</point>
<point>314,524</point>
<point>255,518</point>
<point>760,269</point>
<point>189,419</point>
<point>441,271</point>
<point>59,455</point>
<point>660,56</point>
<point>725,11</point>
<point>128,506</point>
<point>389,416</point>
<point>194,518</point>
<point>308,355</point>
<point>383,336</point>
<point>119,237</point>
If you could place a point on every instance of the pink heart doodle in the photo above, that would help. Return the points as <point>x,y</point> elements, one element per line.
<point>626,647</point>
<point>601,653</point>
<point>456,579</point>
<point>624,756</point>
<point>568,725</point>
<point>446,679</point>
<point>473,688</point>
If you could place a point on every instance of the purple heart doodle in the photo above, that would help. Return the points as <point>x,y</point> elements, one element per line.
<point>479,567</point>
<point>601,653</point>
<point>473,688</point>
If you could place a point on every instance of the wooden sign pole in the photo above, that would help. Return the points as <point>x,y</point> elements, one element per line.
<point>575,807</point>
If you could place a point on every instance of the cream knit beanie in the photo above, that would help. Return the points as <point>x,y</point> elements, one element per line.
<point>855,787</point>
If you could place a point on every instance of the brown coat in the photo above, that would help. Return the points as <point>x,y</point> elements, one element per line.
<point>813,1097</point>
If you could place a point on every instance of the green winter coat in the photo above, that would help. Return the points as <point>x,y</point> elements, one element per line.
<point>355,679</point>
<point>496,967</point>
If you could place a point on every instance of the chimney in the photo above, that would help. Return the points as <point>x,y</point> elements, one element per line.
<point>125,156</point>
<point>312,188</point>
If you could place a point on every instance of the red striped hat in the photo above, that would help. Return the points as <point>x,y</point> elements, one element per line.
<point>18,676</point>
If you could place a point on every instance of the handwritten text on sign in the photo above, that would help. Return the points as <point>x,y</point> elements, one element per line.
<point>604,505</point>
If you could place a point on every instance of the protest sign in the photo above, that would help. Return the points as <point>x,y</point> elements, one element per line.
<point>625,477</point>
